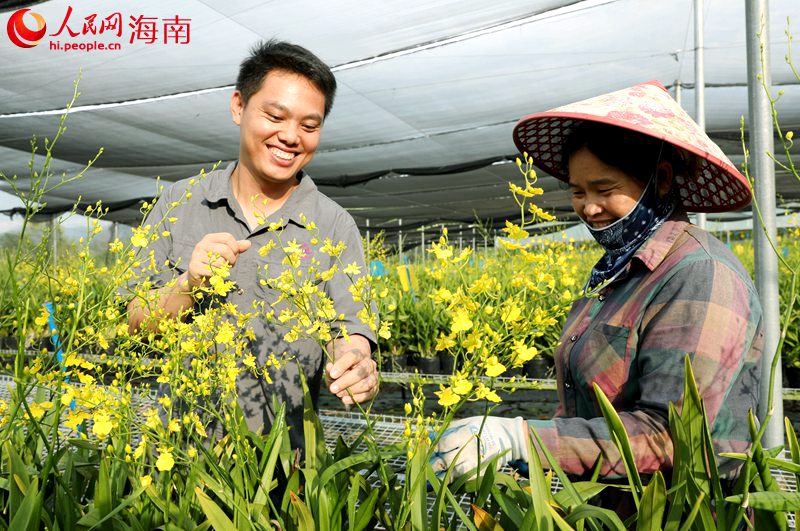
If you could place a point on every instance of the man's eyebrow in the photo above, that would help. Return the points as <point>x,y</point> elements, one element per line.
<point>283,108</point>
<point>276,104</point>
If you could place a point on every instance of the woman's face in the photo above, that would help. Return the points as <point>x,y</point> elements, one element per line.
<point>601,194</point>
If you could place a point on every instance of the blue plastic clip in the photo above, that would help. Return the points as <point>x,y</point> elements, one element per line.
<point>54,339</point>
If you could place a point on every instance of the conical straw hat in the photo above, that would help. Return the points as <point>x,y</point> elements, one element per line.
<point>715,184</point>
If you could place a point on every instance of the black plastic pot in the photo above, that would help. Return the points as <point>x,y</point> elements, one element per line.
<point>43,343</point>
<point>538,367</point>
<point>429,365</point>
<point>447,363</point>
<point>792,376</point>
<point>9,343</point>
<point>512,371</point>
<point>396,362</point>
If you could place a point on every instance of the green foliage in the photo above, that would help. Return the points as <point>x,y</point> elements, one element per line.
<point>788,247</point>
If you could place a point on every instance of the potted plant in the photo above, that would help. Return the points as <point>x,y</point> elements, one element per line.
<point>447,362</point>
<point>539,367</point>
<point>428,362</point>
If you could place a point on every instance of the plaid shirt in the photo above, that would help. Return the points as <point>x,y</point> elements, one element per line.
<point>684,293</point>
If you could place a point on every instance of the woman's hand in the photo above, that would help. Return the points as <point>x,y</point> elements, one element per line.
<point>500,436</point>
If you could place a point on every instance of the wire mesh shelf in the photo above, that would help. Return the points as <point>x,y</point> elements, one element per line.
<point>500,382</point>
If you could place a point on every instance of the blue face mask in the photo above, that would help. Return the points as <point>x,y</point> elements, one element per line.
<point>622,238</point>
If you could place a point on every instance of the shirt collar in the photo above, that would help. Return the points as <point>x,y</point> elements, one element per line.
<point>658,246</point>
<point>302,201</point>
<point>219,187</point>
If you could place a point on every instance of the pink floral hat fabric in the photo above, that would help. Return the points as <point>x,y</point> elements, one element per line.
<point>715,185</point>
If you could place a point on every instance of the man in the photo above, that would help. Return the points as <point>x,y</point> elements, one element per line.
<point>283,95</point>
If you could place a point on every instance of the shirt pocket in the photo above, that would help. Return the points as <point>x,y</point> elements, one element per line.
<point>266,291</point>
<point>167,264</point>
<point>180,256</point>
<point>605,359</point>
<point>268,267</point>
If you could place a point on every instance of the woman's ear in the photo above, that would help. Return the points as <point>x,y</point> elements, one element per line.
<point>664,178</point>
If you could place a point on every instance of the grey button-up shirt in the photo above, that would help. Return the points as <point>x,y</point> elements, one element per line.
<point>213,208</point>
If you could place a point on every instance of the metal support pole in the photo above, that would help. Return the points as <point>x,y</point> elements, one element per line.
<point>368,242</point>
<point>423,244</point>
<point>53,240</point>
<point>473,240</point>
<point>763,171</point>
<point>678,92</point>
<point>400,239</point>
<point>112,238</point>
<point>460,231</point>
<point>699,82</point>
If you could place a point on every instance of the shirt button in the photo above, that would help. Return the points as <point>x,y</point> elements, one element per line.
<point>567,385</point>
<point>573,338</point>
<point>240,291</point>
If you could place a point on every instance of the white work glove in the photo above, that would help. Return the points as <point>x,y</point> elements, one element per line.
<point>499,435</point>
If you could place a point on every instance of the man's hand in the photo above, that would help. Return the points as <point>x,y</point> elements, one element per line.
<point>211,252</point>
<point>175,300</point>
<point>499,436</point>
<point>353,376</point>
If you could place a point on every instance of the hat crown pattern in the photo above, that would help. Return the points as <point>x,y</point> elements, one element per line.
<point>648,108</point>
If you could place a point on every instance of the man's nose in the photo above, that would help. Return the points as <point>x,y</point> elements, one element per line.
<point>288,134</point>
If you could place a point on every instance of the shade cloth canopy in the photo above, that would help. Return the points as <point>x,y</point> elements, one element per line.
<point>429,92</point>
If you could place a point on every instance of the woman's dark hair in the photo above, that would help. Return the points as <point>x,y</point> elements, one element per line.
<point>634,153</point>
<point>278,55</point>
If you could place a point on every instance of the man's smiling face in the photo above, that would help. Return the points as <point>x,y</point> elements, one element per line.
<point>279,127</point>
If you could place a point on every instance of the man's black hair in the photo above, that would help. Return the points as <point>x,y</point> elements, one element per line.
<point>272,55</point>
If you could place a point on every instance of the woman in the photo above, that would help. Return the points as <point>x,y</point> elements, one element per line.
<point>635,164</point>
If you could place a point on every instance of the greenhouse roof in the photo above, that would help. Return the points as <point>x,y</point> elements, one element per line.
<point>428,92</point>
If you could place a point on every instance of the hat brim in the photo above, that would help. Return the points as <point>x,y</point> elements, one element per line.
<point>716,186</point>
